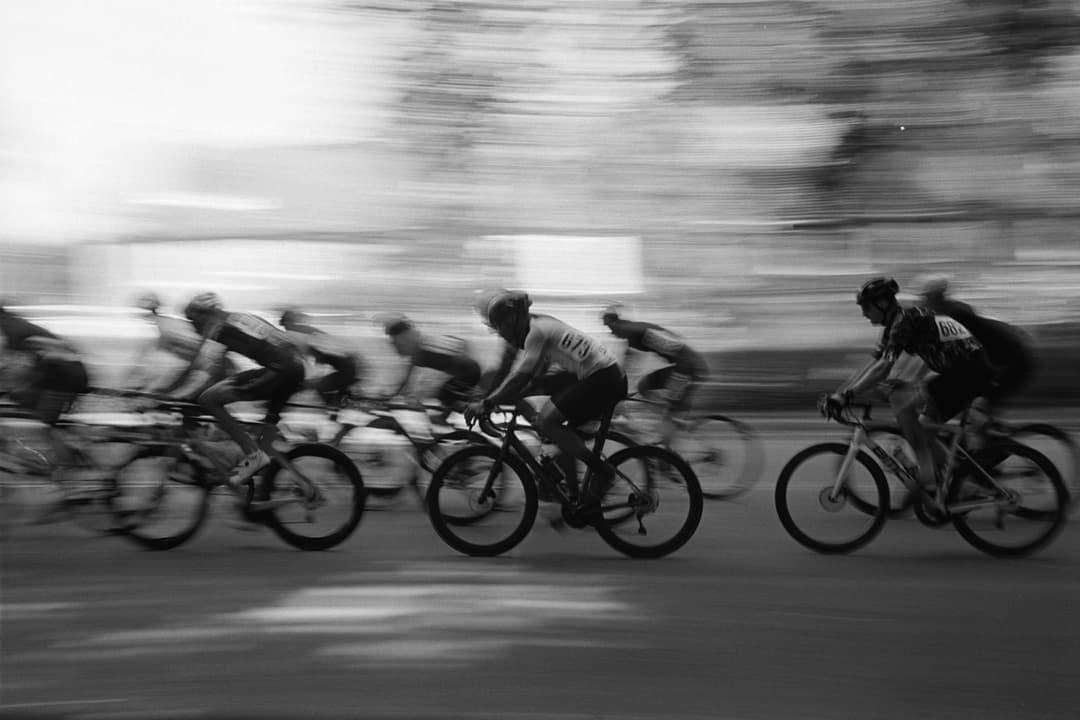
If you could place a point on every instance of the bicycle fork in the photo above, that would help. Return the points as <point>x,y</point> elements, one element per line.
<point>836,492</point>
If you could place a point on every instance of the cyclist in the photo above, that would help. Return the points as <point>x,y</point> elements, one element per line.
<point>946,347</point>
<point>445,354</point>
<point>590,382</point>
<point>55,374</point>
<point>673,384</point>
<point>1008,348</point>
<point>325,349</point>
<point>280,375</point>
<point>175,336</point>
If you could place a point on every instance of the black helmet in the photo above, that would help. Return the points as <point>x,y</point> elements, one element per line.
<point>877,289</point>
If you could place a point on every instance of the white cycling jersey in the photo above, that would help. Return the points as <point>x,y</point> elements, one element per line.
<point>551,341</point>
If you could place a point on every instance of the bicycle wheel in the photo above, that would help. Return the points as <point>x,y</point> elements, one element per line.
<point>727,455</point>
<point>445,445</point>
<point>828,524</point>
<point>1060,448</point>
<point>1030,513</point>
<point>654,506</point>
<point>901,501</point>
<point>384,457</point>
<point>474,522</point>
<point>318,525</point>
<point>162,498</point>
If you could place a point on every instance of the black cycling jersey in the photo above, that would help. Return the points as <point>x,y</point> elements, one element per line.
<point>1002,341</point>
<point>18,330</point>
<point>252,337</point>
<point>648,337</point>
<point>940,341</point>
<point>447,354</point>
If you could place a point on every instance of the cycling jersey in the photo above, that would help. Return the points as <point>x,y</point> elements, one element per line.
<point>447,354</point>
<point>940,341</point>
<point>552,341</point>
<point>323,347</point>
<point>648,337</point>
<point>250,336</point>
<point>1001,340</point>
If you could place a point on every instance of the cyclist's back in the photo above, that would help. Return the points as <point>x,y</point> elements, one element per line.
<point>1008,348</point>
<point>674,383</point>
<point>57,374</point>
<point>444,354</point>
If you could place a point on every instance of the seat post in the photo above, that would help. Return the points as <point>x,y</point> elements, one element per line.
<point>602,431</point>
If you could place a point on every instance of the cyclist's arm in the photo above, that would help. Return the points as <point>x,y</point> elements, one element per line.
<point>199,374</point>
<point>869,377</point>
<point>532,364</point>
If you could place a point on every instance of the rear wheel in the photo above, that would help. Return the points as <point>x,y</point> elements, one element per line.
<point>1013,509</point>
<point>1060,448</point>
<point>162,498</point>
<point>653,507</point>
<point>825,521</point>
<point>727,455</point>
<point>318,524</point>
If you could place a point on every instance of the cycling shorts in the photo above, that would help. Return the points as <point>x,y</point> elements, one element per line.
<point>275,387</point>
<point>580,401</point>
<point>949,392</point>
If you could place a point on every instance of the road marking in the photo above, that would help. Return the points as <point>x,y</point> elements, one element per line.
<point>55,703</point>
<point>827,616</point>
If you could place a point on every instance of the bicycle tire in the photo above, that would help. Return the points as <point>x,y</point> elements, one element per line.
<point>1068,448</point>
<point>657,462</point>
<point>714,432</point>
<point>371,466</point>
<point>142,522</point>
<point>785,501</point>
<point>283,520</point>
<point>449,522</point>
<point>970,524</point>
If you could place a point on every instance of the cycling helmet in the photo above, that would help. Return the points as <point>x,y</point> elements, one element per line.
<point>148,301</point>
<point>291,316</point>
<point>611,313</point>
<point>394,325</point>
<point>934,286</point>
<point>201,304</point>
<point>501,303</point>
<point>875,289</point>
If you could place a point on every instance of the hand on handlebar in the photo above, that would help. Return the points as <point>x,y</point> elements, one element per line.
<point>476,410</point>
<point>833,404</point>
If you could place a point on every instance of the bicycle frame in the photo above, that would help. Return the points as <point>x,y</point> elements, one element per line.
<point>954,452</point>
<point>512,444</point>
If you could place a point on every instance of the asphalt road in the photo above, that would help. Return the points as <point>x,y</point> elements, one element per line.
<point>741,623</point>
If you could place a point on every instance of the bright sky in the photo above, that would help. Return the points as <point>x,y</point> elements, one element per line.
<point>95,96</point>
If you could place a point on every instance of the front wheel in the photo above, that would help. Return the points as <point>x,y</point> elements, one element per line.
<point>279,501</point>
<point>822,517</point>
<point>161,498</point>
<point>1013,509</point>
<point>480,506</point>
<point>654,506</point>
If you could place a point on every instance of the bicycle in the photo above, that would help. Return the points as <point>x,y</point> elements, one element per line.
<point>726,454</point>
<point>485,489</point>
<point>311,495</point>
<point>371,431</point>
<point>79,486</point>
<point>1004,484</point>
<point>1052,441</point>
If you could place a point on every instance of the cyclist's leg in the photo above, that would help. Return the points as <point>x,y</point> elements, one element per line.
<point>576,404</point>
<point>909,405</point>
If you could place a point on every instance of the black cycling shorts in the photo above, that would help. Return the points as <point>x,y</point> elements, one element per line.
<point>580,401</point>
<point>953,390</point>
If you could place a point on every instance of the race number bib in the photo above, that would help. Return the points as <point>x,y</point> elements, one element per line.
<point>576,345</point>
<point>949,330</point>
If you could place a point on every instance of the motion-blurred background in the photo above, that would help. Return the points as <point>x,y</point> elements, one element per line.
<point>732,170</point>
